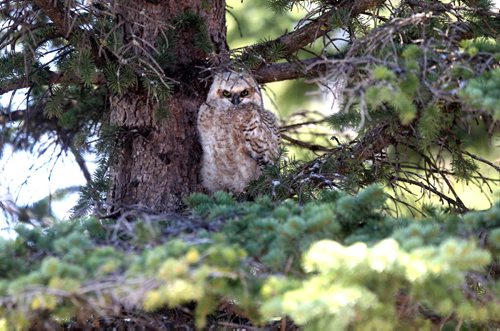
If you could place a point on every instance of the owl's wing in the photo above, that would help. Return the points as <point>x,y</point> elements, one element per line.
<point>262,138</point>
<point>203,113</point>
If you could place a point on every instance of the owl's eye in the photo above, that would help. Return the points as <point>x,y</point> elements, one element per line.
<point>244,93</point>
<point>226,93</point>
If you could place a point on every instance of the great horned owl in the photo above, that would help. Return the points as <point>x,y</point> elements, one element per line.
<point>237,134</point>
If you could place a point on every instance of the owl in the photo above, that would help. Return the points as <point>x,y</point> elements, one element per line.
<point>238,136</point>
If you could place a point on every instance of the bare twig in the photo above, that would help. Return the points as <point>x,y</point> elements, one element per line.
<point>459,206</point>
<point>81,163</point>
<point>303,144</point>
<point>297,125</point>
<point>480,159</point>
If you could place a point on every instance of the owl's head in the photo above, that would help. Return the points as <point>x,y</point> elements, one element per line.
<point>234,88</point>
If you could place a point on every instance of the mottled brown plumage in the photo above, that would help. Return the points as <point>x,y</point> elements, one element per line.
<point>237,134</point>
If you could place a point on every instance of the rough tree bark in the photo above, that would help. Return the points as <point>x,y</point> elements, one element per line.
<point>158,161</point>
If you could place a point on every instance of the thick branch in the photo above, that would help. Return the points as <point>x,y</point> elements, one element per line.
<point>24,82</point>
<point>15,84</point>
<point>435,7</point>
<point>277,72</point>
<point>291,42</point>
<point>283,71</point>
<point>21,114</point>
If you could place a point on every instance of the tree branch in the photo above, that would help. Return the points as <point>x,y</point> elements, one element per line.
<point>373,142</point>
<point>24,82</point>
<point>459,206</point>
<point>303,144</point>
<point>480,159</point>
<point>21,114</point>
<point>298,125</point>
<point>66,24</point>
<point>15,84</point>
<point>293,41</point>
<point>12,116</point>
<point>276,72</point>
<point>53,78</point>
<point>11,37</point>
<point>81,163</point>
<point>283,71</point>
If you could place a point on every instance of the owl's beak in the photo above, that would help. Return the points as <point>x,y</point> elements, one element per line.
<point>235,99</point>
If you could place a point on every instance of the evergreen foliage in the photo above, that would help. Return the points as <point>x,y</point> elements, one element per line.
<point>425,95</point>
<point>93,194</point>
<point>337,262</point>
<point>190,20</point>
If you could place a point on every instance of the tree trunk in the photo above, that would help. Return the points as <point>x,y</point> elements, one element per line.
<point>158,161</point>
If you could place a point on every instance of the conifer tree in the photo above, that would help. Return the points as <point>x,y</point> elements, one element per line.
<point>415,78</point>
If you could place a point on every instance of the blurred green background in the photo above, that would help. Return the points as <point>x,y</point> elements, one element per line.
<point>250,22</point>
